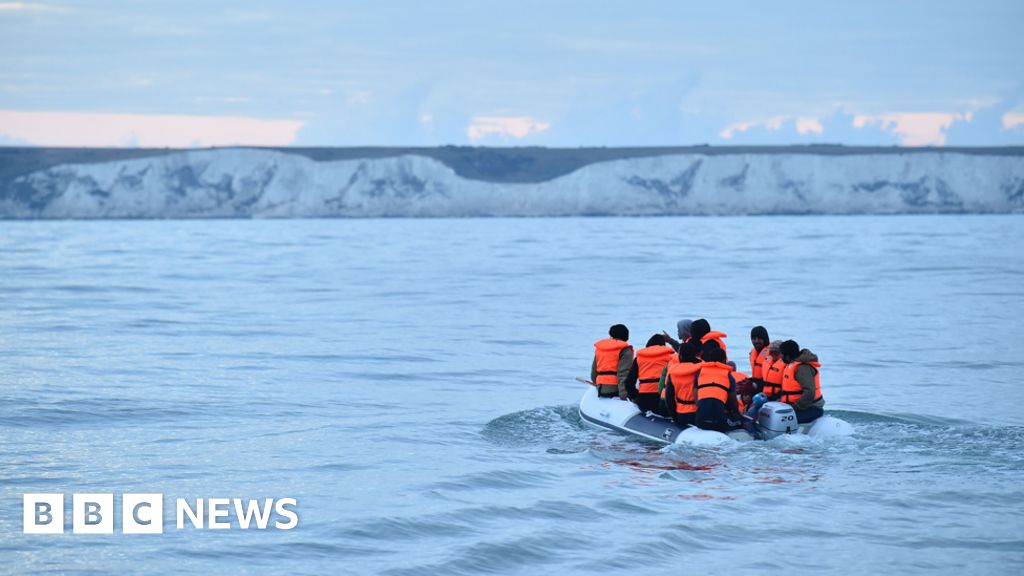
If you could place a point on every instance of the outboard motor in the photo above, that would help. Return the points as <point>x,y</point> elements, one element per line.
<point>775,419</point>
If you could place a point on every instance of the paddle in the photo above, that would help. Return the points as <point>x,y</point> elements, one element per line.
<point>585,381</point>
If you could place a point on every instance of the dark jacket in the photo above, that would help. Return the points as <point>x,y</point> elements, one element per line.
<point>804,376</point>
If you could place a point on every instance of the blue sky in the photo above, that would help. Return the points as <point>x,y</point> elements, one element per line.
<point>572,73</point>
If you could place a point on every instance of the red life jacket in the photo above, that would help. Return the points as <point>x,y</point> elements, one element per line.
<point>791,389</point>
<point>773,378</point>
<point>650,362</point>
<point>606,352</point>
<point>758,361</point>
<point>714,382</point>
<point>682,374</point>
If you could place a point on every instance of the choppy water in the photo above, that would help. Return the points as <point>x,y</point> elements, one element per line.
<point>410,383</point>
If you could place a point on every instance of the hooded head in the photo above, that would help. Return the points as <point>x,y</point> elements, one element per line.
<point>619,332</point>
<point>759,337</point>
<point>709,346</point>
<point>699,328</point>
<point>683,329</point>
<point>656,340</point>
<point>746,388</point>
<point>714,354</point>
<point>790,350</point>
<point>688,353</point>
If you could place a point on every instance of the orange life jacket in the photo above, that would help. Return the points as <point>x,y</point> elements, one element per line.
<point>773,378</point>
<point>757,362</point>
<point>649,363</point>
<point>606,352</point>
<point>714,381</point>
<point>681,374</point>
<point>717,337</point>
<point>738,377</point>
<point>791,389</point>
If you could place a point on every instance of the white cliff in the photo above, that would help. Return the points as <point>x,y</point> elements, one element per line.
<point>242,183</point>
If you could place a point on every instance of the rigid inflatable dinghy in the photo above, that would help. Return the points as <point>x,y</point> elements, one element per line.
<point>774,419</point>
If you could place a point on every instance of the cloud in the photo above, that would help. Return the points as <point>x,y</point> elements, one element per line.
<point>992,126</point>
<point>1012,119</point>
<point>28,7</point>
<point>99,129</point>
<point>809,125</point>
<point>914,128</point>
<point>518,127</point>
<point>773,124</point>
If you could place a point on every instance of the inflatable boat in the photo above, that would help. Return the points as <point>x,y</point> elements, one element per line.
<point>774,419</point>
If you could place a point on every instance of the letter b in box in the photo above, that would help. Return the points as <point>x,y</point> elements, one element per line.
<point>42,514</point>
<point>92,513</point>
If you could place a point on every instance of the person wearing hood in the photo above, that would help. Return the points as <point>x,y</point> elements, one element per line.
<point>613,357</point>
<point>801,382</point>
<point>679,393</point>
<point>759,354</point>
<point>774,367</point>
<point>716,390</point>
<point>682,330</point>
<point>700,331</point>
<point>646,370</point>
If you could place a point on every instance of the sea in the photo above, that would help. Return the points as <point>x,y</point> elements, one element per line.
<point>410,384</point>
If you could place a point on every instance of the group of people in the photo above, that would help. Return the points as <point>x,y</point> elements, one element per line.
<point>692,381</point>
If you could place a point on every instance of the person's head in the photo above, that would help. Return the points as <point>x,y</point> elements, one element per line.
<point>706,347</point>
<point>789,350</point>
<point>746,389</point>
<point>773,348</point>
<point>688,353</point>
<point>699,329</point>
<point>683,329</point>
<point>759,337</point>
<point>619,332</point>
<point>714,354</point>
<point>656,340</point>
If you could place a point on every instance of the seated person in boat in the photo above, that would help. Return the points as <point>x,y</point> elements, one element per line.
<point>613,358</point>
<point>701,332</point>
<point>646,371</point>
<point>801,382</point>
<point>716,391</point>
<point>760,354</point>
<point>679,392</point>
<point>743,383</point>
<point>682,330</point>
<point>771,375</point>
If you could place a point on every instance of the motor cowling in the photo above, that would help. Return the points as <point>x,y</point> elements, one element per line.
<point>775,419</point>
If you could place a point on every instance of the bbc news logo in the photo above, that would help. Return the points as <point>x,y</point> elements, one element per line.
<point>144,513</point>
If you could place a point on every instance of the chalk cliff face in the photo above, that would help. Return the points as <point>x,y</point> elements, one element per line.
<point>241,183</point>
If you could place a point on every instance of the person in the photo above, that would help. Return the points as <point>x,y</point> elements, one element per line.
<point>682,330</point>
<point>743,385</point>
<point>646,370</point>
<point>612,359</point>
<point>759,354</point>
<point>801,382</point>
<point>678,396</point>
<point>771,382</point>
<point>716,390</point>
<point>701,331</point>
<point>746,394</point>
